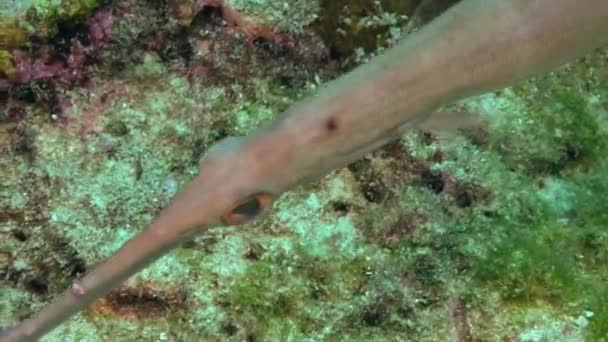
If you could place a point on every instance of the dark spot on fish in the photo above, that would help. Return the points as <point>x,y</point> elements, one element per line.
<point>331,125</point>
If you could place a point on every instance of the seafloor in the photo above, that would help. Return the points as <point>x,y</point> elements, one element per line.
<point>499,234</point>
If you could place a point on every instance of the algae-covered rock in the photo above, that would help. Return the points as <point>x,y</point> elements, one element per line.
<point>346,25</point>
<point>7,68</point>
<point>20,19</point>
<point>12,35</point>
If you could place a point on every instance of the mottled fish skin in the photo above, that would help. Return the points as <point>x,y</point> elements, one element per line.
<point>475,47</point>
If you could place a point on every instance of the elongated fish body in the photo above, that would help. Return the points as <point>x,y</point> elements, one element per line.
<point>475,47</point>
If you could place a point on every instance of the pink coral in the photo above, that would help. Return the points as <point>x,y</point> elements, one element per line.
<point>100,27</point>
<point>28,69</point>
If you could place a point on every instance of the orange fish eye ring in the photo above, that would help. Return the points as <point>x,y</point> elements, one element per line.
<point>247,209</point>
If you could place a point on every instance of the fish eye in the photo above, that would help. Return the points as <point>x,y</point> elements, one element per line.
<point>247,209</point>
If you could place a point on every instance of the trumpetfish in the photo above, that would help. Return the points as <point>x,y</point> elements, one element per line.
<point>474,47</point>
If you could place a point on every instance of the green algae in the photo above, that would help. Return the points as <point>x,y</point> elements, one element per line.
<point>549,242</point>
<point>24,18</point>
<point>12,35</point>
<point>45,15</point>
<point>7,69</point>
<point>350,25</point>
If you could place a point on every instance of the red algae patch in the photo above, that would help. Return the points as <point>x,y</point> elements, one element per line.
<point>144,301</point>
